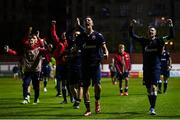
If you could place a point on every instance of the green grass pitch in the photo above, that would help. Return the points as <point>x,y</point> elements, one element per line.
<point>134,106</point>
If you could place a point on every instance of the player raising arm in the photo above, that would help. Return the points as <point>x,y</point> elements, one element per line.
<point>94,49</point>
<point>32,62</point>
<point>151,49</point>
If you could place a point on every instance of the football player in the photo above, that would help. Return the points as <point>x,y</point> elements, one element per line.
<point>94,49</point>
<point>32,62</point>
<point>123,66</point>
<point>151,49</point>
<point>60,54</point>
<point>166,65</point>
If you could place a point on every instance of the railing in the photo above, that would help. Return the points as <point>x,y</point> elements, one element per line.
<point>6,68</point>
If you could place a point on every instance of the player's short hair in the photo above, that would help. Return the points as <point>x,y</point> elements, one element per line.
<point>121,46</point>
<point>151,26</point>
<point>88,16</point>
<point>76,33</point>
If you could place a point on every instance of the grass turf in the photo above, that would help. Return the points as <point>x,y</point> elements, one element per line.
<point>134,106</point>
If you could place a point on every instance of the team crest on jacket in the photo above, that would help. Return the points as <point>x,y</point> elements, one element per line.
<point>93,37</point>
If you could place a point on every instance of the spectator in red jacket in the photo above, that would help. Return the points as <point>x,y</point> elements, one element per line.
<point>38,43</point>
<point>60,54</point>
<point>123,66</point>
<point>32,63</point>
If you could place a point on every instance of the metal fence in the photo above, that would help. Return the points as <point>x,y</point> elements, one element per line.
<point>6,68</point>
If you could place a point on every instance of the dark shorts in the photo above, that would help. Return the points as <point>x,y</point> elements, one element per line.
<point>61,72</point>
<point>165,73</point>
<point>46,70</point>
<point>91,73</point>
<point>113,74</point>
<point>123,76</point>
<point>31,76</point>
<point>75,77</point>
<point>28,77</point>
<point>151,77</point>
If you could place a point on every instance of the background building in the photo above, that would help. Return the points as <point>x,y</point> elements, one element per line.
<point>111,18</point>
<point>18,15</point>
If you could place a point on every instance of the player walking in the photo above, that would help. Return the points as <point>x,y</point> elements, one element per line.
<point>123,66</point>
<point>92,54</point>
<point>151,49</point>
<point>165,70</point>
<point>32,62</point>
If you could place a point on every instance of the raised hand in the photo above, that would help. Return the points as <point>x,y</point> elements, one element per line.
<point>169,21</point>
<point>133,21</point>
<point>6,48</point>
<point>78,21</point>
<point>37,33</point>
<point>53,22</point>
<point>30,28</point>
